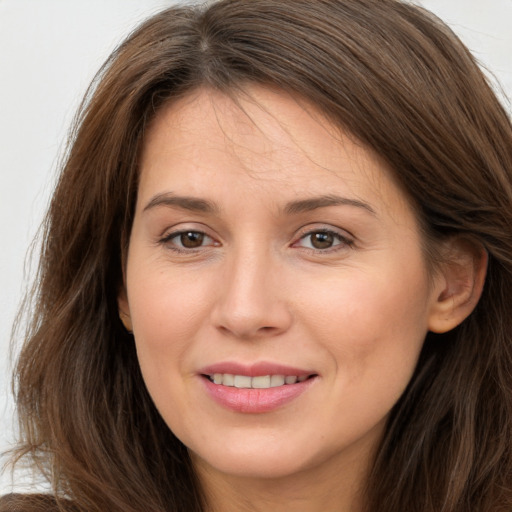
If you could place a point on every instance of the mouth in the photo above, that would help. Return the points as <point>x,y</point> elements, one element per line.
<point>258,388</point>
<point>256,382</point>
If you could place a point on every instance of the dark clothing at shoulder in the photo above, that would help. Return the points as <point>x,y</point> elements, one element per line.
<point>28,503</point>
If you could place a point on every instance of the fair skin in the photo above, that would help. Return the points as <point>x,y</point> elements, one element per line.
<point>264,236</point>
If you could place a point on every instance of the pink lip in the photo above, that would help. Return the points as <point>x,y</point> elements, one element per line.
<point>254,370</point>
<point>254,401</point>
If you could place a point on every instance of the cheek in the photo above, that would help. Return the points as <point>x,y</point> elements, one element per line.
<point>167,309</point>
<point>372,332</point>
<point>373,326</point>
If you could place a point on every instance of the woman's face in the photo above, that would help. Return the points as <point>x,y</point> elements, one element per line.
<point>275,282</point>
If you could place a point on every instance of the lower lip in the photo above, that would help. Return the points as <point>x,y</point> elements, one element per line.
<point>255,401</point>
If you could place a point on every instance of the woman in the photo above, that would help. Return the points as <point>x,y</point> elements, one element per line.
<point>276,271</point>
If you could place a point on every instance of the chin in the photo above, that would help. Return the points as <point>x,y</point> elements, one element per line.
<point>274,460</point>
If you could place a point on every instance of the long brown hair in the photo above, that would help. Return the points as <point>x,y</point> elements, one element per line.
<point>400,82</point>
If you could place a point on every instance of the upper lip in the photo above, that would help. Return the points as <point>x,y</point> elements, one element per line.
<point>254,369</point>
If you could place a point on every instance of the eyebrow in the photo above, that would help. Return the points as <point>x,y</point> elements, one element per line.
<point>306,205</point>
<point>189,203</point>
<point>196,204</point>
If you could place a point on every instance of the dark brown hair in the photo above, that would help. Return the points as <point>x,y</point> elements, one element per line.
<point>398,80</point>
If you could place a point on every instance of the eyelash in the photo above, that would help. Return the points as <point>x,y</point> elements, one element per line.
<point>167,240</point>
<point>343,242</point>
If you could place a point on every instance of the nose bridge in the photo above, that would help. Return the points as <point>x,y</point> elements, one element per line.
<point>251,302</point>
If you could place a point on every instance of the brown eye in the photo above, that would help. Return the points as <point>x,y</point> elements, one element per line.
<point>322,240</point>
<point>187,241</point>
<point>192,239</point>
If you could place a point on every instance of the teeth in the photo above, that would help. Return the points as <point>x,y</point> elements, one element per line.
<point>276,380</point>
<point>228,380</point>
<point>242,381</point>
<point>260,382</point>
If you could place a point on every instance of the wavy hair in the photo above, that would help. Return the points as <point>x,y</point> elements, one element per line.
<point>401,82</point>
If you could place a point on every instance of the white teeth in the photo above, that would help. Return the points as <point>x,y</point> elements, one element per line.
<point>260,382</point>
<point>242,381</point>
<point>228,379</point>
<point>276,380</point>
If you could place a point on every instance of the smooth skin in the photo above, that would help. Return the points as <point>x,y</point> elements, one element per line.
<point>263,233</point>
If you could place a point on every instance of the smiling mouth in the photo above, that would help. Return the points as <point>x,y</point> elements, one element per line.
<point>258,382</point>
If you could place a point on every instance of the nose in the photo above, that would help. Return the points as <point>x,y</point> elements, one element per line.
<point>252,297</point>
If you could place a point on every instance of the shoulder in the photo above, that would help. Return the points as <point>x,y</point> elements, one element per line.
<point>28,503</point>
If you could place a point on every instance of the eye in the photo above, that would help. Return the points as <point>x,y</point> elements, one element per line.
<point>322,240</point>
<point>189,239</point>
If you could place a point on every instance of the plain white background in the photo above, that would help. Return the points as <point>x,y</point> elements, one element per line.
<point>49,52</point>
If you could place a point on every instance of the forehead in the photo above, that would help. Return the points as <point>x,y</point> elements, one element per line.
<point>266,138</point>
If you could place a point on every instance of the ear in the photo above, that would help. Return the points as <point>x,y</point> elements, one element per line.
<point>124,309</point>
<point>458,284</point>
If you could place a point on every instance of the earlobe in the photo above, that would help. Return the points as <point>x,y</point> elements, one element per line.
<point>124,310</point>
<point>459,284</point>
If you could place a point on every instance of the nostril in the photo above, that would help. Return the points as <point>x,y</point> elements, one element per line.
<point>247,331</point>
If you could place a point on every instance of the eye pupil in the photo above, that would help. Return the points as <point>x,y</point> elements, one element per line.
<point>191,239</point>
<point>322,240</point>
